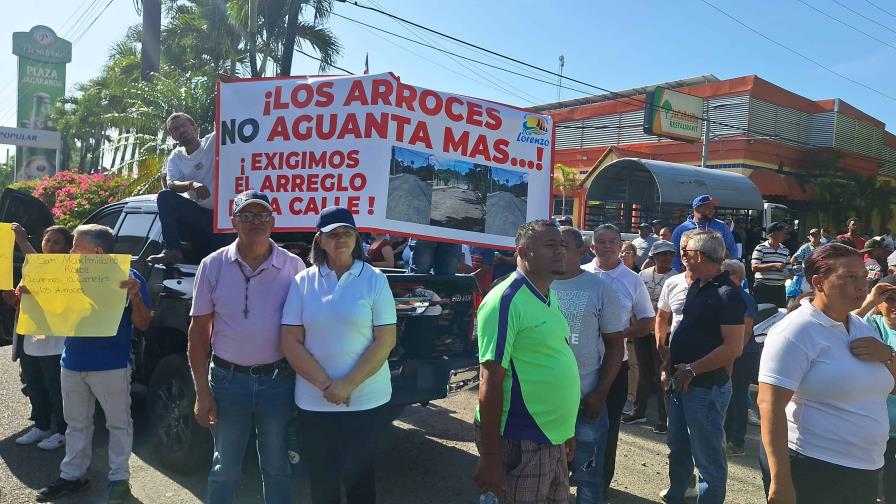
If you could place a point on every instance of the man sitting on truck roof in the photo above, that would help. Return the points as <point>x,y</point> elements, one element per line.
<point>703,219</point>
<point>187,204</point>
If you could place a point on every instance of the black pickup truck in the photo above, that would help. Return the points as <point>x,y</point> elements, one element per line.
<point>434,355</point>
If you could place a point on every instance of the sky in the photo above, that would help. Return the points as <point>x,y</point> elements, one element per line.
<point>606,43</point>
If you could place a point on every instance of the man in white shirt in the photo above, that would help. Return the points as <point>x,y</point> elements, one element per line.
<point>635,304</point>
<point>186,205</point>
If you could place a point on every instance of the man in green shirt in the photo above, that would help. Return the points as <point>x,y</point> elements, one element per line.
<point>529,380</point>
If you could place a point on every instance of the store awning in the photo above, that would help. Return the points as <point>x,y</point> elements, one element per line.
<point>774,184</point>
<point>650,182</point>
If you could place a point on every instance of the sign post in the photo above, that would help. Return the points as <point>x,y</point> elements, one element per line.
<point>42,58</point>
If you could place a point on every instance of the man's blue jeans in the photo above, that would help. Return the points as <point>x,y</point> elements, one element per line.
<point>441,258</point>
<point>244,402</point>
<point>697,437</point>
<point>179,214</point>
<point>588,464</point>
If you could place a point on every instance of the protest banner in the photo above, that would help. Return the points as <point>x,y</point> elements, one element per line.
<point>72,294</point>
<point>7,244</point>
<point>403,159</point>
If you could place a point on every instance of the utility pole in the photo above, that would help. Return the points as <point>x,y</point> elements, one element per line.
<point>560,78</point>
<point>705,157</point>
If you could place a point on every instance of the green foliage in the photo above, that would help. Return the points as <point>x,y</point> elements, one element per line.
<point>116,123</point>
<point>73,196</point>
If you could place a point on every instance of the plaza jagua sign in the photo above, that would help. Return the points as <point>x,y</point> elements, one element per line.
<point>673,115</point>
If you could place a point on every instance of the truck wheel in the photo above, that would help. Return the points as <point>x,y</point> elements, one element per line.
<point>179,442</point>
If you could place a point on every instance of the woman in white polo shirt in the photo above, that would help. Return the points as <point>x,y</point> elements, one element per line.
<point>338,330</point>
<point>824,379</point>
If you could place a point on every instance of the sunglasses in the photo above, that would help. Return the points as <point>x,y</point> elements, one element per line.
<point>689,251</point>
<point>246,217</point>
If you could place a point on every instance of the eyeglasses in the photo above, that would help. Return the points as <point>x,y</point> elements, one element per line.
<point>246,217</point>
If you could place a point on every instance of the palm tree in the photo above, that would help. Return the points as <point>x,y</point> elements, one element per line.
<point>151,40</point>
<point>566,179</point>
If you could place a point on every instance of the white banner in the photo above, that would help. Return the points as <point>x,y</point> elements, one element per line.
<point>403,159</point>
<point>30,137</point>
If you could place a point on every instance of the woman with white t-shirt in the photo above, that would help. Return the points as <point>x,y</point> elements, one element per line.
<point>824,378</point>
<point>40,358</point>
<point>338,330</point>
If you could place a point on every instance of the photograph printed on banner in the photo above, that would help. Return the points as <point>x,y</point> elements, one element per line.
<point>410,186</point>
<point>505,206</point>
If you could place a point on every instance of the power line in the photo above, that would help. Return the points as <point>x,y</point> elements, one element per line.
<point>621,98</point>
<point>83,19</point>
<point>436,63</point>
<point>857,13</point>
<point>80,18</point>
<point>878,7</point>
<point>485,76</point>
<point>844,23</point>
<point>801,55</point>
<point>92,22</point>
<point>303,53</point>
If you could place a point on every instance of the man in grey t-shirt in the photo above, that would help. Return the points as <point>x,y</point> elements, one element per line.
<point>596,322</point>
<point>643,242</point>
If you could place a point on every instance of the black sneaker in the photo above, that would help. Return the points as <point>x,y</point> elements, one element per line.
<point>62,487</point>
<point>632,419</point>
<point>660,428</point>
<point>119,492</point>
<point>732,450</point>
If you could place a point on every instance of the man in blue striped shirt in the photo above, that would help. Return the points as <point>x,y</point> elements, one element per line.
<point>703,220</point>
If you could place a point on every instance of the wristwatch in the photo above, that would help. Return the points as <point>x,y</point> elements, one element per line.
<point>690,371</point>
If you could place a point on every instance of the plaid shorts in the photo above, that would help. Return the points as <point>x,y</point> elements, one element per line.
<point>533,473</point>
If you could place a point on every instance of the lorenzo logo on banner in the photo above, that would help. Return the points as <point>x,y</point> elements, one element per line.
<point>403,159</point>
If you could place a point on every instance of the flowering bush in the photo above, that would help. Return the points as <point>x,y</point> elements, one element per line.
<point>73,196</point>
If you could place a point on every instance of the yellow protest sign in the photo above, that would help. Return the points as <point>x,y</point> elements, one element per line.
<point>72,294</point>
<point>7,242</point>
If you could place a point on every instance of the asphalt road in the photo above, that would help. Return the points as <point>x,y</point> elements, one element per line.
<point>410,199</point>
<point>457,208</point>
<point>427,457</point>
<point>504,213</point>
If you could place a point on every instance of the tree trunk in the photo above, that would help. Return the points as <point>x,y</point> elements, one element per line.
<point>150,49</point>
<point>289,43</point>
<point>253,38</point>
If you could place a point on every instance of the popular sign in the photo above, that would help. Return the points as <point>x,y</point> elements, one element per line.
<point>403,159</point>
<point>674,115</point>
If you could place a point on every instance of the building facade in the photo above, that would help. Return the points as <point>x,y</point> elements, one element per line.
<point>784,142</point>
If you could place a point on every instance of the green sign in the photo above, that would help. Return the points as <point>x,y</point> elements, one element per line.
<point>42,58</point>
<point>674,115</point>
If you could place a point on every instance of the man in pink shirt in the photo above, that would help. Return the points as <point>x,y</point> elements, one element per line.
<point>238,301</point>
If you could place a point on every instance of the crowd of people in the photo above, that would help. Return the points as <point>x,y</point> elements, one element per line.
<point>826,375</point>
<point>557,330</point>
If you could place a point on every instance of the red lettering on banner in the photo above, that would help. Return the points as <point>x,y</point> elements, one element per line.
<point>407,95</point>
<point>279,131</point>
<point>311,205</point>
<point>350,127</point>
<point>450,102</point>
<point>474,114</point>
<point>420,135</point>
<point>425,107</point>
<point>301,95</point>
<point>495,119</point>
<point>356,94</point>
<point>381,92</point>
<point>451,143</point>
<point>400,123</point>
<point>501,155</point>
<point>325,94</point>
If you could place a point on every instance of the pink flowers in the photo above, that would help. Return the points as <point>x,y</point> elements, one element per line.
<point>73,196</point>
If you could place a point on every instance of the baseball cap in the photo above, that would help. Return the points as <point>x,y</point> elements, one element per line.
<point>704,199</point>
<point>644,225</point>
<point>660,246</point>
<point>889,279</point>
<point>873,243</point>
<point>774,227</point>
<point>251,196</point>
<point>333,217</point>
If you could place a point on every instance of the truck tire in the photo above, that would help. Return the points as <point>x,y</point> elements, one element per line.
<point>180,443</point>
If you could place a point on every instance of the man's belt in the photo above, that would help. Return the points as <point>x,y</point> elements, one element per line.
<point>256,370</point>
<point>716,377</point>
